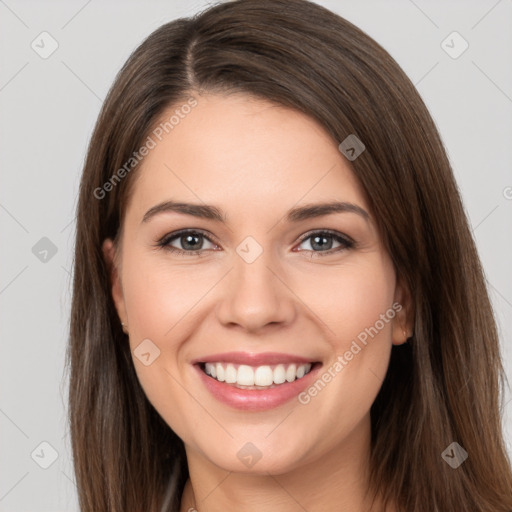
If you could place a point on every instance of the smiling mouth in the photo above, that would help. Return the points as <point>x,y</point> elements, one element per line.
<point>256,377</point>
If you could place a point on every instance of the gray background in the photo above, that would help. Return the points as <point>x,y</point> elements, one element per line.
<point>48,109</point>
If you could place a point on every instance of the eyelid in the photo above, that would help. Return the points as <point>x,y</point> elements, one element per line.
<point>176,234</point>
<point>332,232</point>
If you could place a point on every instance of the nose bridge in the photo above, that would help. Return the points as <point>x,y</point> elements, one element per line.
<point>254,296</point>
<point>253,273</point>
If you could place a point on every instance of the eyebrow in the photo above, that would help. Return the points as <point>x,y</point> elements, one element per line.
<point>297,214</point>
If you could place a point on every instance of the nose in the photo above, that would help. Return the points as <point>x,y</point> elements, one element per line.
<point>255,295</point>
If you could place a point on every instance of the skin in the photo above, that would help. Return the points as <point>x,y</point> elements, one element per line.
<point>256,160</point>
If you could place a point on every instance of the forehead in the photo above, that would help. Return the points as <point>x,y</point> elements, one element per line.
<point>241,152</point>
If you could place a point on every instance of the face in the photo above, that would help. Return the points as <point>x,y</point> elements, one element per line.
<point>296,308</point>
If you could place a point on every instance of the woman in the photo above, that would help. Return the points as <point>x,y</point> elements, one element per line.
<point>277,303</point>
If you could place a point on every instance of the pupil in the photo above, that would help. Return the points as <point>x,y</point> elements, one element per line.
<point>188,242</point>
<point>322,242</point>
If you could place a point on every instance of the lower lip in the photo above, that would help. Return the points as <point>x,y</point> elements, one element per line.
<point>257,399</point>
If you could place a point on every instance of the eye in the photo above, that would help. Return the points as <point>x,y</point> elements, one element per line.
<point>323,242</point>
<point>192,242</point>
<point>186,242</point>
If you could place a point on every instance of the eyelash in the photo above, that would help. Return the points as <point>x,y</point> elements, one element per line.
<point>163,243</point>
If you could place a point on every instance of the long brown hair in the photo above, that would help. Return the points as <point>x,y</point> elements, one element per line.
<point>443,386</point>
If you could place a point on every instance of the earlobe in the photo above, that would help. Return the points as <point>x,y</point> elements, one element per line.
<point>108,250</point>
<point>403,324</point>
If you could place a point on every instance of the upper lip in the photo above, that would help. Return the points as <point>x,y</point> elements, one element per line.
<point>251,359</point>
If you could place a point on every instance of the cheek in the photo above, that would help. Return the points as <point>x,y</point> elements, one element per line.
<point>354,303</point>
<point>364,297</point>
<point>164,302</point>
<point>356,309</point>
<point>159,294</point>
<point>350,300</point>
<point>159,302</point>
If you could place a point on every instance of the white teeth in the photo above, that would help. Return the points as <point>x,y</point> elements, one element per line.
<point>220,372</point>
<point>245,376</point>
<point>261,376</point>
<point>279,374</point>
<point>210,369</point>
<point>230,374</point>
<point>291,373</point>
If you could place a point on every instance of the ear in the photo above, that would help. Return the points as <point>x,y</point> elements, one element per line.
<point>403,323</point>
<point>115,280</point>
